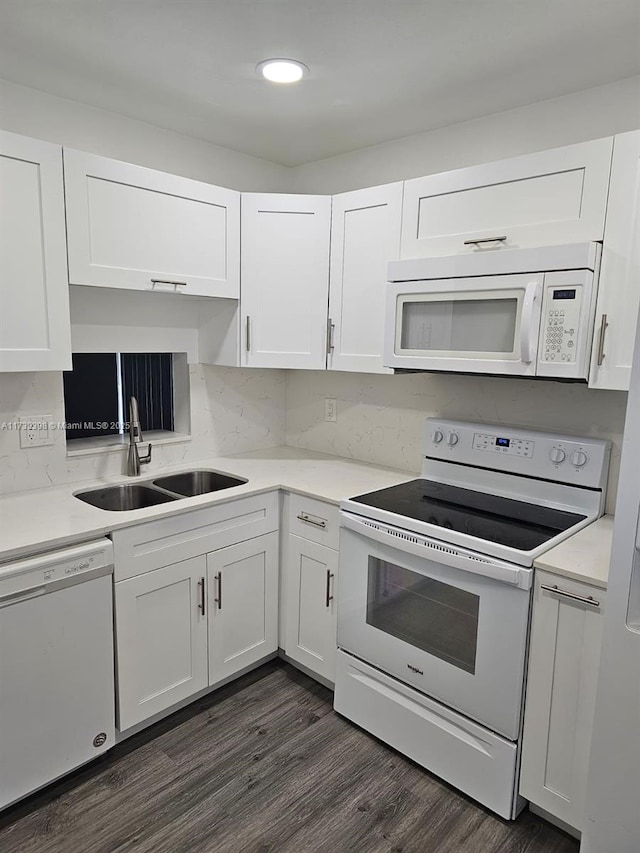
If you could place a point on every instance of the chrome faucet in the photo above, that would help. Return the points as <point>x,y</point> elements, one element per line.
<point>134,460</point>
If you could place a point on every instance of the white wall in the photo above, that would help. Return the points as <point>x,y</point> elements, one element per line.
<point>34,113</point>
<point>381,418</point>
<point>584,115</point>
<point>232,410</point>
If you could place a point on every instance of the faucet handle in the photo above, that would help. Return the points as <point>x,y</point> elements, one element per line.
<point>147,458</point>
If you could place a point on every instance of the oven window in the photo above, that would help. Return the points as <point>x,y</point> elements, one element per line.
<point>460,325</point>
<point>433,616</point>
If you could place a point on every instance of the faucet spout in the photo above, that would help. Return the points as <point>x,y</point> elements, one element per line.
<point>134,460</point>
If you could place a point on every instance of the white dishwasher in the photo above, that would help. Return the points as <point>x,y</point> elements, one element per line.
<point>57,704</point>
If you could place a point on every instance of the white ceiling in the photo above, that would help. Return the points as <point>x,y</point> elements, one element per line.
<point>380,69</point>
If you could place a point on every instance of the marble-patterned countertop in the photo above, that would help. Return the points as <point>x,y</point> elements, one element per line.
<point>45,519</point>
<point>50,518</point>
<point>584,556</point>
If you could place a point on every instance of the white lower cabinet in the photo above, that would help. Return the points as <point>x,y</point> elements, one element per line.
<point>309,583</point>
<point>563,667</point>
<point>242,598</point>
<point>310,619</point>
<point>161,639</point>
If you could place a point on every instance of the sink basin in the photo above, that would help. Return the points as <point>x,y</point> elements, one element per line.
<point>125,497</point>
<point>193,483</point>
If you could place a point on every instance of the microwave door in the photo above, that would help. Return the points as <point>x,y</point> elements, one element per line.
<point>479,325</point>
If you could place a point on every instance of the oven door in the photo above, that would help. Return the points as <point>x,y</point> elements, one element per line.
<point>488,324</point>
<point>441,619</point>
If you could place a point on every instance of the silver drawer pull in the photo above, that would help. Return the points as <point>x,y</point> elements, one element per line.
<point>572,595</point>
<point>307,518</point>
<point>502,239</point>
<point>168,281</point>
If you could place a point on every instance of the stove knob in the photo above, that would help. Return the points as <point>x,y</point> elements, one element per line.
<point>436,436</point>
<point>557,455</point>
<point>452,439</point>
<point>579,458</point>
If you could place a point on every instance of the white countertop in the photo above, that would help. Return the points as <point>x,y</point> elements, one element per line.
<point>45,519</point>
<point>584,556</point>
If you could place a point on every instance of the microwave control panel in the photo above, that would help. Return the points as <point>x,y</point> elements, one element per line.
<point>560,324</point>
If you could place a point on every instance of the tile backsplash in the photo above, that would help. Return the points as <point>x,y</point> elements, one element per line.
<point>232,410</point>
<point>380,419</point>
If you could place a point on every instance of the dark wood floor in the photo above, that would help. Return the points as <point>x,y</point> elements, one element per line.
<point>262,765</point>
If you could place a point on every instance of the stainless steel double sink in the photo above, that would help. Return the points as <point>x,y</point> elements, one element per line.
<point>174,487</point>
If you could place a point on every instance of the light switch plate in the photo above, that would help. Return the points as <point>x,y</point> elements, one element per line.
<point>35,431</point>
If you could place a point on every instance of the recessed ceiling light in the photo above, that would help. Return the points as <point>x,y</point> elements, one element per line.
<point>282,70</point>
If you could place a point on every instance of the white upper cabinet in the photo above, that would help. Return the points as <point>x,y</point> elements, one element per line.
<point>285,280</point>
<point>619,288</point>
<point>544,199</point>
<point>365,236</point>
<point>34,293</point>
<point>136,228</point>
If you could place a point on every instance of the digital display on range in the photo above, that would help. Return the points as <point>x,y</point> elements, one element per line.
<point>564,294</point>
<point>503,442</point>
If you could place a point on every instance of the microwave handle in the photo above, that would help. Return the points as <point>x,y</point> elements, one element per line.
<point>439,552</point>
<point>528,327</point>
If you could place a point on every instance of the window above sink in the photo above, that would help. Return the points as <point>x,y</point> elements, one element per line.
<point>97,392</point>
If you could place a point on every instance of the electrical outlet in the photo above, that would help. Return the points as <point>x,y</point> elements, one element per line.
<point>330,410</point>
<point>35,431</point>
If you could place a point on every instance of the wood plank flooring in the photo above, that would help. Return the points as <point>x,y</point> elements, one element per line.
<point>262,766</point>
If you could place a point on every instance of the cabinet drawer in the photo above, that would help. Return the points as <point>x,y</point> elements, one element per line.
<point>154,544</point>
<point>315,520</point>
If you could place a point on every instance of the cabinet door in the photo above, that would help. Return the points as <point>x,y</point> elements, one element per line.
<point>140,229</point>
<point>310,577</point>
<point>285,280</point>
<point>619,288</point>
<point>161,639</point>
<point>561,690</point>
<point>242,604</point>
<point>34,292</point>
<point>365,236</point>
<point>544,199</point>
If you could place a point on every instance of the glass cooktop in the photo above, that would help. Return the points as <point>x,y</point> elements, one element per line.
<point>505,521</point>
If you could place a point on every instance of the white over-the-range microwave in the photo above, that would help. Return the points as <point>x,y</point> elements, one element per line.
<point>513,312</point>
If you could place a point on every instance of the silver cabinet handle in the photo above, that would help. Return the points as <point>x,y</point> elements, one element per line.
<point>572,595</point>
<point>328,596</point>
<point>247,336</point>
<point>603,332</point>
<point>330,330</point>
<point>502,239</point>
<point>304,517</point>
<point>202,604</point>
<point>169,281</point>
<point>218,600</point>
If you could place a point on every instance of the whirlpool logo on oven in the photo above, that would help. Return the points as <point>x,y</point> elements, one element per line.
<point>415,669</point>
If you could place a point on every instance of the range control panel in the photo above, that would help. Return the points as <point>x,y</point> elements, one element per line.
<point>503,444</point>
<point>544,455</point>
<point>560,324</point>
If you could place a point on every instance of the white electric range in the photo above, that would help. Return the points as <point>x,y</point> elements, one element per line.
<point>434,595</point>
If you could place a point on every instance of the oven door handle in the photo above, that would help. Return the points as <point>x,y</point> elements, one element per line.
<point>439,552</point>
